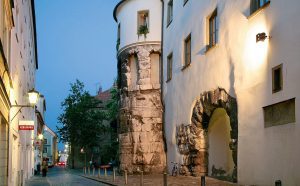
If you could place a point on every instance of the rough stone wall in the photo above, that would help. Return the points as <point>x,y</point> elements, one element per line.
<point>192,139</point>
<point>140,130</point>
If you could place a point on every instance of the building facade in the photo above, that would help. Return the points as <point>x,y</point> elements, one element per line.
<point>138,51</point>
<point>230,89</point>
<point>18,63</point>
<point>229,86</point>
<point>50,151</point>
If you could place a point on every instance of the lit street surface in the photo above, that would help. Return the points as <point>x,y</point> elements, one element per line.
<point>57,176</point>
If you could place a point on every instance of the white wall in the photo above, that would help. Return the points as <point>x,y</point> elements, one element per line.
<point>22,72</point>
<point>127,16</point>
<point>243,67</point>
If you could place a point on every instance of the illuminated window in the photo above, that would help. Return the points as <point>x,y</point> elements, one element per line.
<point>169,66</point>
<point>257,4</point>
<point>143,22</point>
<point>213,29</point>
<point>277,78</point>
<point>187,51</point>
<point>170,12</point>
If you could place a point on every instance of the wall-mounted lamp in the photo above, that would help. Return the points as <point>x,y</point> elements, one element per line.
<point>33,98</point>
<point>261,37</point>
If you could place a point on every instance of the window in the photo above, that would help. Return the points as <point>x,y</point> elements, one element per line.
<point>213,29</point>
<point>143,22</point>
<point>280,113</point>
<point>277,78</point>
<point>257,4</point>
<point>169,66</point>
<point>45,150</point>
<point>170,12</point>
<point>45,141</point>
<point>184,2</point>
<point>187,51</point>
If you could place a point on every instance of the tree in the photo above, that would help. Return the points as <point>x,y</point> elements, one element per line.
<point>82,122</point>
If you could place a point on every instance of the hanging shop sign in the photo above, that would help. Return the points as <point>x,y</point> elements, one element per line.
<point>26,125</point>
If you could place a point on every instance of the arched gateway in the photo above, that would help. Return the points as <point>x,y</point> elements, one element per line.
<point>192,139</point>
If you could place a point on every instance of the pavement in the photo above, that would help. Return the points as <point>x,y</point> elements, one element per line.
<point>58,176</point>
<point>67,177</point>
<point>153,180</point>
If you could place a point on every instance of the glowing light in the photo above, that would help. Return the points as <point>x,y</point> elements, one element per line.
<point>33,97</point>
<point>40,136</point>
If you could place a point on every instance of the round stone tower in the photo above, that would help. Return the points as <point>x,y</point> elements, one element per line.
<point>139,80</point>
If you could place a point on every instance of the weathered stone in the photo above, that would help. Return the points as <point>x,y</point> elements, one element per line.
<point>141,124</point>
<point>192,140</point>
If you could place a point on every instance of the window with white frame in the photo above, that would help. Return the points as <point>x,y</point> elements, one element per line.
<point>213,29</point>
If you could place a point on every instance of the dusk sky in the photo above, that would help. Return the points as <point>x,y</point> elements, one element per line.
<point>76,40</point>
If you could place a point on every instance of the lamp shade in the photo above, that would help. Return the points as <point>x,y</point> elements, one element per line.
<point>33,96</point>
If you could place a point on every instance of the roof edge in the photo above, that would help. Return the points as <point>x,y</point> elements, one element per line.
<point>116,8</point>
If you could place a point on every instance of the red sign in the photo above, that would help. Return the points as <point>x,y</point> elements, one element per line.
<point>26,127</point>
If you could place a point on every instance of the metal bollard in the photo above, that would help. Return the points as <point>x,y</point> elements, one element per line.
<point>105,172</point>
<point>202,180</point>
<point>165,177</point>
<point>99,172</point>
<point>142,179</point>
<point>93,171</point>
<point>278,183</point>
<point>126,179</point>
<point>89,171</point>
<point>114,174</point>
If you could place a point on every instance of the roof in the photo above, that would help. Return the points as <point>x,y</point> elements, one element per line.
<point>104,96</point>
<point>116,9</point>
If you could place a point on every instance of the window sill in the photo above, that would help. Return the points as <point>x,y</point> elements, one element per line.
<point>253,14</point>
<point>185,3</point>
<point>185,66</point>
<point>209,48</point>
<point>277,90</point>
<point>169,23</point>
<point>168,80</point>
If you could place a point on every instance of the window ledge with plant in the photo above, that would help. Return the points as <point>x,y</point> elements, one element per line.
<point>143,30</point>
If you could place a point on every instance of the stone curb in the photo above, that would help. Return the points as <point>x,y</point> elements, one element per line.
<point>95,179</point>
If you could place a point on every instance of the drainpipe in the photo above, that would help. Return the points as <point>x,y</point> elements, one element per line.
<point>162,75</point>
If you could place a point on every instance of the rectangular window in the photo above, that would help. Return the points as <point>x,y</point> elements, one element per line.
<point>187,51</point>
<point>184,2</point>
<point>257,4</point>
<point>280,113</point>
<point>45,141</point>
<point>143,22</point>
<point>213,29</point>
<point>170,12</point>
<point>277,78</point>
<point>169,66</point>
<point>45,150</point>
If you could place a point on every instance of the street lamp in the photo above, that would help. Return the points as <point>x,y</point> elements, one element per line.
<point>40,136</point>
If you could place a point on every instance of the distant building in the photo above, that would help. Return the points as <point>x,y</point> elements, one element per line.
<point>50,150</point>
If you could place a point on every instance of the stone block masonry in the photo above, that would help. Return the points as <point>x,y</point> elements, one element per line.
<point>140,130</point>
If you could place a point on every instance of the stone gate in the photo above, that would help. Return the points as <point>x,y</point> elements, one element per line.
<point>192,139</point>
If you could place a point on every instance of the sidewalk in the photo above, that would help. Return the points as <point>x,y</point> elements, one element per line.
<point>156,180</point>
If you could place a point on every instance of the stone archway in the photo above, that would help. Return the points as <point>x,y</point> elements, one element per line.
<point>192,139</point>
